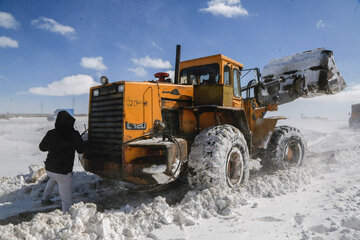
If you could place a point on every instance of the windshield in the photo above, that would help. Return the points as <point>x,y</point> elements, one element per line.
<point>200,75</point>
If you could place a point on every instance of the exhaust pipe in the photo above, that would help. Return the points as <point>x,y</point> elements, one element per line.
<point>177,64</point>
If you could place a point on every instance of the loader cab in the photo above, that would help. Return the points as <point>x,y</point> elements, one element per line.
<point>216,70</point>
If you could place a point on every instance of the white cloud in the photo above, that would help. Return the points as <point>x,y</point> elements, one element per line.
<point>8,42</point>
<point>320,24</point>
<point>8,21</point>
<point>139,71</point>
<point>53,26</point>
<point>227,8</point>
<point>171,74</point>
<point>70,85</point>
<point>93,63</point>
<point>147,62</point>
<point>156,46</point>
<point>152,62</point>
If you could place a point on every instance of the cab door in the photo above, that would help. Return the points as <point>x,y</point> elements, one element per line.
<point>235,77</point>
<point>249,81</point>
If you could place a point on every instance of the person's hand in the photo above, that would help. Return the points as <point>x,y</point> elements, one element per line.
<point>84,136</point>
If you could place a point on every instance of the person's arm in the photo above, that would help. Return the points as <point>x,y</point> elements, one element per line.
<point>79,143</point>
<point>45,143</point>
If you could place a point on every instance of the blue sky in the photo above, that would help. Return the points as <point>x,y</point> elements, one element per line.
<point>52,51</point>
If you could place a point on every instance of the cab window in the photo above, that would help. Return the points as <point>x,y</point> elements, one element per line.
<point>200,75</point>
<point>248,81</point>
<point>237,85</point>
<point>226,75</point>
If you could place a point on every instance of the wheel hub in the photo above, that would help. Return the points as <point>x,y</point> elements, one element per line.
<point>293,153</point>
<point>234,167</point>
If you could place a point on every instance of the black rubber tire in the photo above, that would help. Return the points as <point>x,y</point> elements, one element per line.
<point>286,148</point>
<point>219,158</point>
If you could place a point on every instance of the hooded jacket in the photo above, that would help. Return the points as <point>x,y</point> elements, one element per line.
<point>61,144</point>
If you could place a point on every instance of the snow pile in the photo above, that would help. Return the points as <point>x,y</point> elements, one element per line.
<point>30,186</point>
<point>84,222</point>
<point>279,183</point>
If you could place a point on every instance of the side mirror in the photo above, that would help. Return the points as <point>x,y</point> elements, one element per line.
<point>258,73</point>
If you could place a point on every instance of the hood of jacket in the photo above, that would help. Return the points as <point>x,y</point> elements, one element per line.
<point>64,119</point>
<point>64,125</point>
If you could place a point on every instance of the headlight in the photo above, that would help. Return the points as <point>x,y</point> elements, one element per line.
<point>96,92</point>
<point>104,80</point>
<point>121,88</point>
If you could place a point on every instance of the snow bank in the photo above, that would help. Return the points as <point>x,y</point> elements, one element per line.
<point>85,222</point>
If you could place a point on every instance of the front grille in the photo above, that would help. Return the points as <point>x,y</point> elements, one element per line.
<point>106,125</point>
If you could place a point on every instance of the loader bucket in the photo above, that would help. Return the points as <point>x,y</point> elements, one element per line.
<point>308,74</point>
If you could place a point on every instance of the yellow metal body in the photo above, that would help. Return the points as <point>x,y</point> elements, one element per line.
<point>193,107</point>
<point>221,95</point>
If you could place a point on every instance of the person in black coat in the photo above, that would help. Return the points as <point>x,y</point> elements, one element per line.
<point>61,143</point>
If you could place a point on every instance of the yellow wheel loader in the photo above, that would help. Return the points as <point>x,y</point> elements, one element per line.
<point>208,122</point>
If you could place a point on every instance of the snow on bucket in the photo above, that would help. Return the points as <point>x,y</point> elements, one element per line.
<point>308,74</point>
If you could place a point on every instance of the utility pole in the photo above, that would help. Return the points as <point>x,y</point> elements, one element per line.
<point>11,100</point>
<point>73,103</point>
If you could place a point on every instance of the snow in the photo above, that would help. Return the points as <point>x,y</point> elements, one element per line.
<point>308,74</point>
<point>299,62</point>
<point>320,200</point>
<point>155,169</point>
